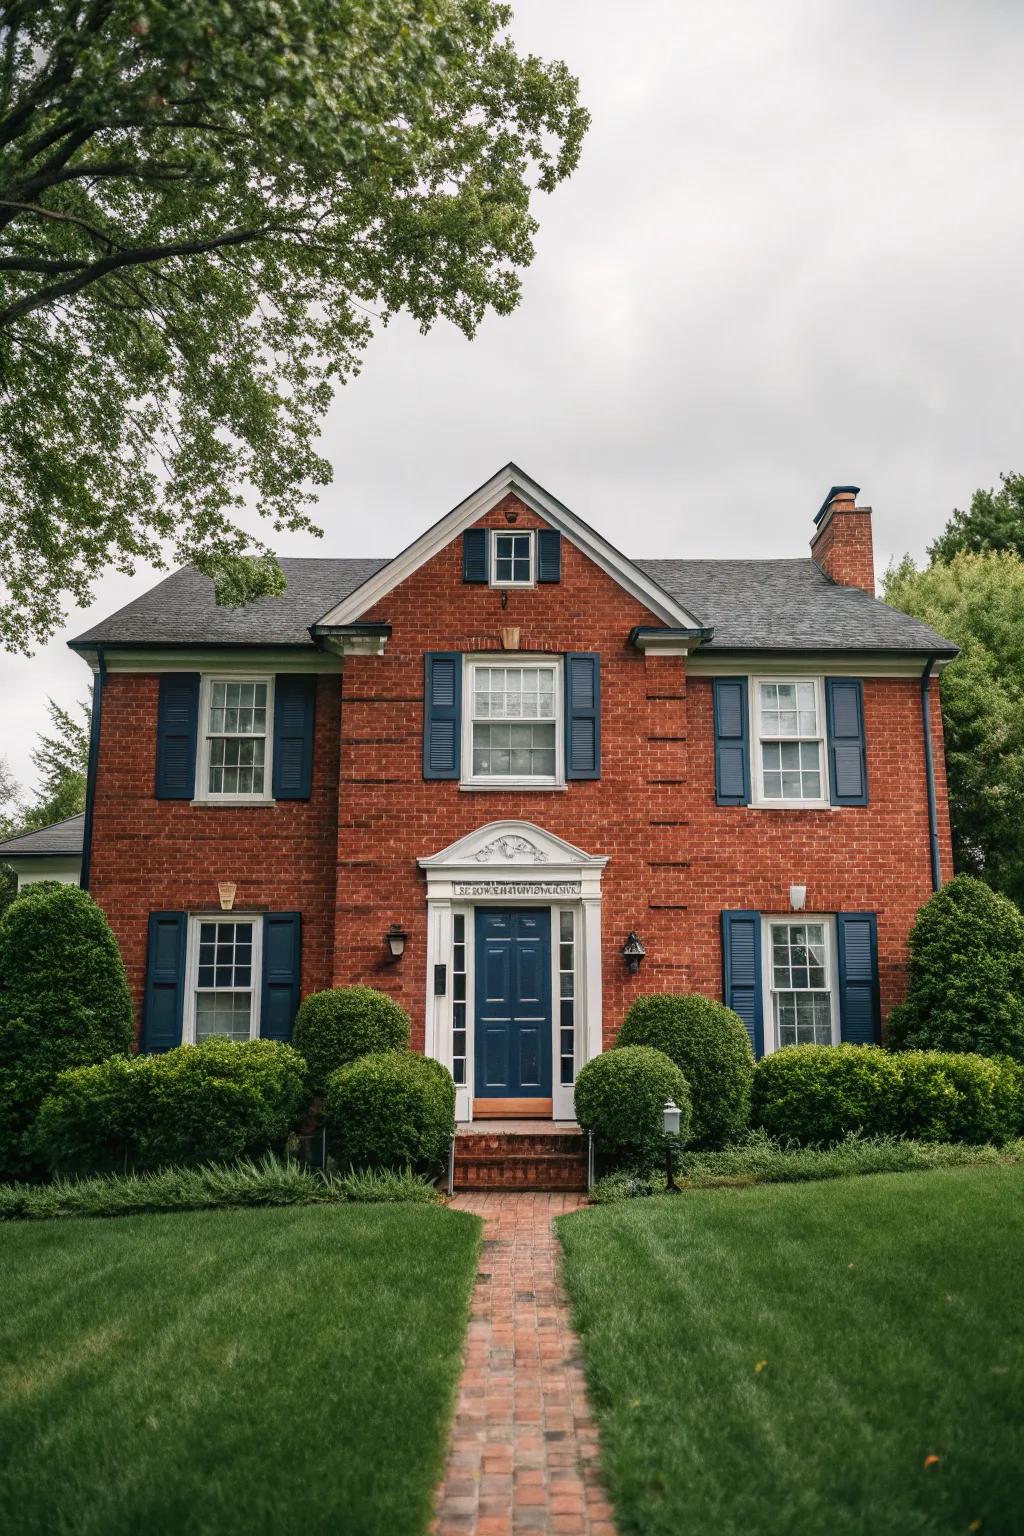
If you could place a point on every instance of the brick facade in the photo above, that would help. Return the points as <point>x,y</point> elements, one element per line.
<point>843,545</point>
<point>347,858</point>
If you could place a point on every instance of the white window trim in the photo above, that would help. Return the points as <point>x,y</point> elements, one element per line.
<point>206,796</point>
<point>188,1022</point>
<point>788,919</point>
<point>512,781</point>
<point>492,552</point>
<point>757,764</point>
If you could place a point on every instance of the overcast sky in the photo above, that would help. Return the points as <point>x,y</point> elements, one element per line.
<point>791,257</point>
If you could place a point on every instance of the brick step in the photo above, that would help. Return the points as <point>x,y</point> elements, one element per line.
<point>521,1162</point>
<point>566,1144</point>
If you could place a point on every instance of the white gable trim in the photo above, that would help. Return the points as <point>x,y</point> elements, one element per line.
<point>616,565</point>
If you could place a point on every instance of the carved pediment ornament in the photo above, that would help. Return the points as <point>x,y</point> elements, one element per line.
<point>509,847</point>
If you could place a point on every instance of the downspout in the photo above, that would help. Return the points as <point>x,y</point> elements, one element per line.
<point>94,752</point>
<point>929,770</point>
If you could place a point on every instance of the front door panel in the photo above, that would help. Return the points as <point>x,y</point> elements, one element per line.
<point>513,1003</point>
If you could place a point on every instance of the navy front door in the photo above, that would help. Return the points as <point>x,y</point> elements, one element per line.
<point>513,1003</point>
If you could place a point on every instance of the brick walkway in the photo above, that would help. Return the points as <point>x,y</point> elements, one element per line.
<point>523,1454</point>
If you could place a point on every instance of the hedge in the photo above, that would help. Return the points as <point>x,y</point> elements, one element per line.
<point>390,1110</point>
<point>197,1104</point>
<point>621,1096</point>
<point>338,1026</point>
<point>818,1094</point>
<point>64,1002</point>
<point>710,1046</point>
<point>966,987</point>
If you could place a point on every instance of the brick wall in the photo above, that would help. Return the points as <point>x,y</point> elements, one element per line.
<point>843,545</point>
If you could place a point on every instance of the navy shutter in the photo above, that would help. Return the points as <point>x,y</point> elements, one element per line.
<point>294,708</point>
<point>732,741</point>
<point>164,997</point>
<point>474,554</point>
<point>282,967</point>
<point>583,715</point>
<point>442,714</point>
<point>549,554</point>
<point>859,1012</point>
<point>177,727</point>
<point>847,759</point>
<point>741,966</point>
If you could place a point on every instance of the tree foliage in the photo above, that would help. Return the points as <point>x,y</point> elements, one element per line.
<point>994,522</point>
<point>202,207</point>
<point>61,761</point>
<point>978,602</point>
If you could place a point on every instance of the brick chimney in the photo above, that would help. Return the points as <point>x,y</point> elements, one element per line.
<point>842,540</point>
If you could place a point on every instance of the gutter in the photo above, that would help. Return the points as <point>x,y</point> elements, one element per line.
<point>94,752</point>
<point>929,770</point>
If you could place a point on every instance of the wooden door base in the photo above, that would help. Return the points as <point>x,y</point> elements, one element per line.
<point>512,1109</point>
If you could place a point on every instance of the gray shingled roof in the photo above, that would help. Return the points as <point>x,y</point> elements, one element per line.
<point>785,605</point>
<point>62,837</point>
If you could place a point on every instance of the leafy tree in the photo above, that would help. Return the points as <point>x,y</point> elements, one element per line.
<point>994,522</point>
<point>10,823</point>
<point>203,207</point>
<point>978,602</point>
<point>61,760</point>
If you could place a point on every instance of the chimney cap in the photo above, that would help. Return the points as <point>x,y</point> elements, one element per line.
<point>836,490</point>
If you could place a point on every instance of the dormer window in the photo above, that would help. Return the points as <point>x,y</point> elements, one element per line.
<point>512,559</point>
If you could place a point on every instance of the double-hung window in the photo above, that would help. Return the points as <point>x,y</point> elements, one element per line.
<point>513,722</point>
<point>791,758</point>
<point>512,557</point>
<point>799,965</point>
<point>224,970</point>
<point>236,720</point>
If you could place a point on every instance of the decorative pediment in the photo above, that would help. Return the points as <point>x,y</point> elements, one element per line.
<point>512,844</point>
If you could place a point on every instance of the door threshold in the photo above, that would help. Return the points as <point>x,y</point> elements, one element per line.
<point>512,1109</point>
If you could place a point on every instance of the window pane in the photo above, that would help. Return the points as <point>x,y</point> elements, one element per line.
<point>223,1013</point>
<point>789,709</point>
<point>526,751</point>
<point>791,770</point>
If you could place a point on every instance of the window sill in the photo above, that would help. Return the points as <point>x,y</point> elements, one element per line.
<point>793,805</point>
<point>516,789</point>
<point>234,801</point>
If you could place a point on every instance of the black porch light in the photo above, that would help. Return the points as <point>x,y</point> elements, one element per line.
<point>633,952</point>
<point>396,937</point>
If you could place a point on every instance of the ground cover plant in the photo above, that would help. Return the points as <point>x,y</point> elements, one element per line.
<point>844,1357</point>
<point>232,1371</point>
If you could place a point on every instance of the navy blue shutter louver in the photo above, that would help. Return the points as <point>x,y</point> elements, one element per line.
<point>741,966</point>
<point>583,715</point>
<point>859,1011</point>
<point>282,970</point>
<point>294,710</point>
<point>442,714</point>
<point>847,757</point>
<point>732,741</point>
<point>164,998</point>
<point>549,554</point>
<point>177,727</point>
<point>475,543</point>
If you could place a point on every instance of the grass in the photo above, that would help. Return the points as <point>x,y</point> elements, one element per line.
<point>757,1159</point>
<point>217,1186</point>
<point>235,1373</point>
<point>786,1360</point>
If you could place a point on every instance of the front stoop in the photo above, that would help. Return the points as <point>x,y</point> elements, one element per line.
<point>541,1158</point>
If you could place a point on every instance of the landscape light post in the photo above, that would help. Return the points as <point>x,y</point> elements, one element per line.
<point>670,1120</point>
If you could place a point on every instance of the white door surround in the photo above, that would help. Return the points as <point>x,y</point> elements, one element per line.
<point>508,864</point>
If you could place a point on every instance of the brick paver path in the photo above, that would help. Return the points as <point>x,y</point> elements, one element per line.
<point>523,1453</point>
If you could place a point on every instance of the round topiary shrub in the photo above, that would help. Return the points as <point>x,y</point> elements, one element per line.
<point>621,1096</point>
<point>966,990</point>
<point>949,1096</point>
<point>205,1103</point>
<point>335,1027</point>
<point>710,1046</point>
<point>821,1093</point>
<point>392,1109</point>
<point>64,1002</point>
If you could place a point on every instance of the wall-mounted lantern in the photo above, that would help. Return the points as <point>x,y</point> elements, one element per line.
<point>396,937</point>
<point>633,952</point>
<point>797,898</point>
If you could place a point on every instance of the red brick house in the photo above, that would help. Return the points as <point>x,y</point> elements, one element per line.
<point>514,778</point>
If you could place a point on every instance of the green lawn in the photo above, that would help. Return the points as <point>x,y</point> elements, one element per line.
<point>885,1315</point>
<point>252,1372</point>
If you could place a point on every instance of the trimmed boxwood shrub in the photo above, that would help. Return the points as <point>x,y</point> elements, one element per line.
<point>966,990</point>
<point>710,1046</point>
<point>197,1104</point>
<point>621,1095</point>
<point>820,1093</point>
<point>64,1002</point>
<point>947,1096</point>
<point>392,1109</point>
<point>335,1027</point>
